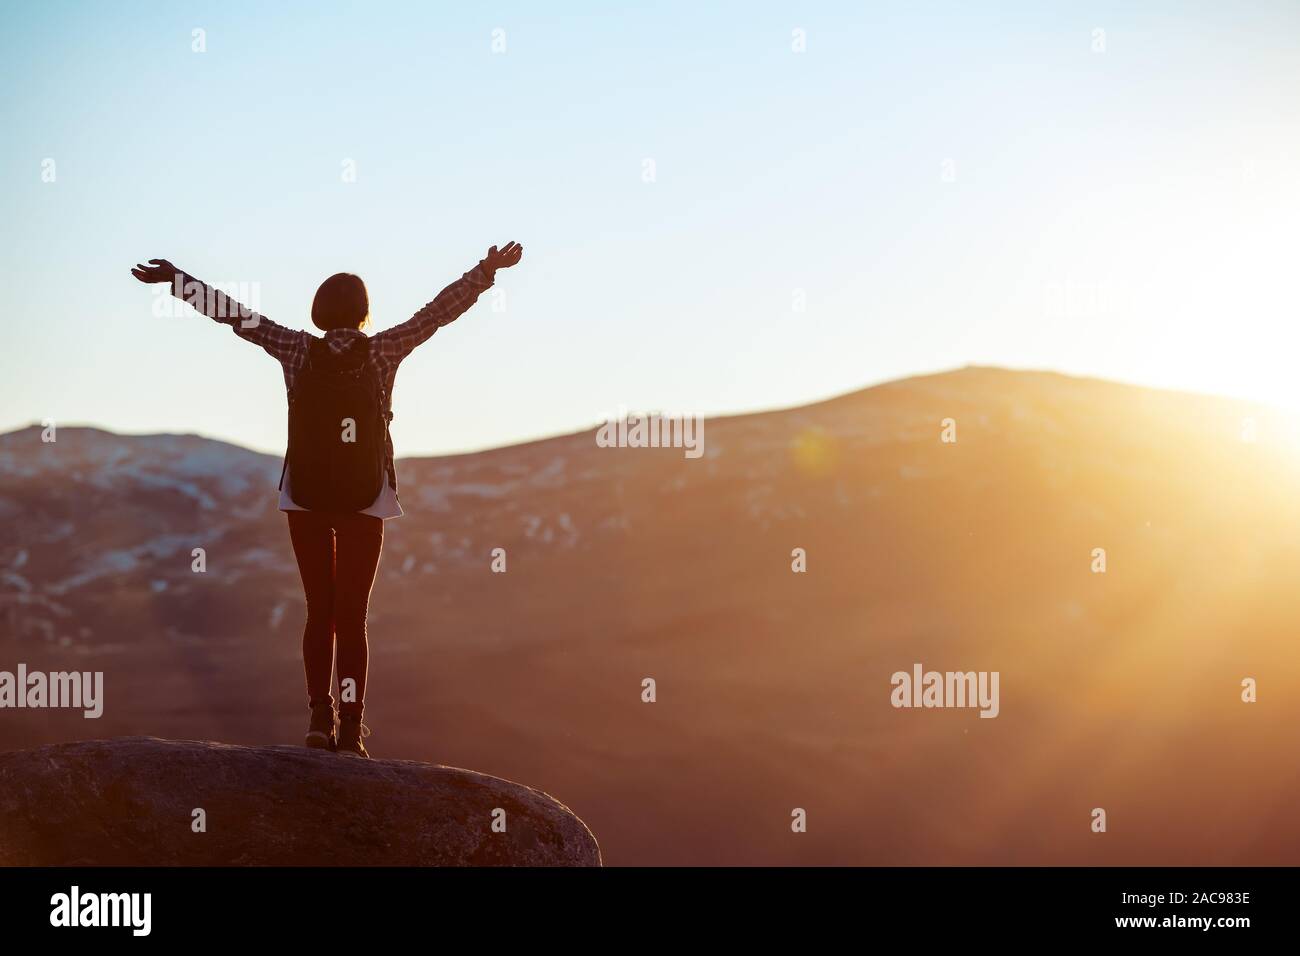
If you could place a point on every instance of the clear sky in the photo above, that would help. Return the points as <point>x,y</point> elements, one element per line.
<point>937,183</point>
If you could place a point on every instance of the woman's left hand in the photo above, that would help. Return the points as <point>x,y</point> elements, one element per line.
<point>160,270</point>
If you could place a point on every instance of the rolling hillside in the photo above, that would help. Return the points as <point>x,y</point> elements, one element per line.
<point>1119,690</point>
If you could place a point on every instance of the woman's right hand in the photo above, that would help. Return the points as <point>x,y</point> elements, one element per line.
<point>503,258</point>
<point>158,270</point>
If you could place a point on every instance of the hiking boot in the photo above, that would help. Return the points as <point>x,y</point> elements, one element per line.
<point>322,733</point>
<point>351,732</point>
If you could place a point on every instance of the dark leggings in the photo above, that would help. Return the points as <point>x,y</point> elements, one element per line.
<point>337,558</point>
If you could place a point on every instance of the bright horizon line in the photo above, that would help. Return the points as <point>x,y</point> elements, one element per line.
<point>1243,400</point>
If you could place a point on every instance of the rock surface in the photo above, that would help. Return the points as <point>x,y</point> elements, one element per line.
<point>130,801</point>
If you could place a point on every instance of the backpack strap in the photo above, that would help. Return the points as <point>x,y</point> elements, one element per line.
<point>319,355</point>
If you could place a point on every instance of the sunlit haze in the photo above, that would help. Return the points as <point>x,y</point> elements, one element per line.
<point>715,221</point>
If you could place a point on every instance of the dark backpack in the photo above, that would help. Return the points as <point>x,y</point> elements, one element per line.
<point>328,472</point>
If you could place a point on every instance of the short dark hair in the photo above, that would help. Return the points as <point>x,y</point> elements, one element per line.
<point>341,303</point>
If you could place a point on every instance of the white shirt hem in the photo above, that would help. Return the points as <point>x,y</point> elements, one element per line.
<point>385,505</point>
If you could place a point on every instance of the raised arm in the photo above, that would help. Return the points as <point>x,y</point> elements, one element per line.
<point>287,345</point>
<point>396,343</point>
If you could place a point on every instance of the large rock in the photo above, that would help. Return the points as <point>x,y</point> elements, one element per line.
<point>130,801</point>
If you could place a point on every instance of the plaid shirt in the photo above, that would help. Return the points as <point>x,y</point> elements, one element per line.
<point>387,348</point>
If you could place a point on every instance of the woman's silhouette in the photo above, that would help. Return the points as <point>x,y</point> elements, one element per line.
<point>338,483</point>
